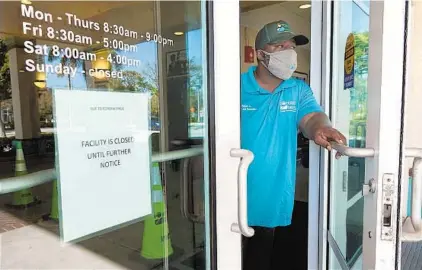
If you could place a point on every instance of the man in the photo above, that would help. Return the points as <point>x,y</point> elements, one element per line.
<point>274,107</point>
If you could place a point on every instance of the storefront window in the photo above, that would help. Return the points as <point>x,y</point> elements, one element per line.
<point>93,98</point>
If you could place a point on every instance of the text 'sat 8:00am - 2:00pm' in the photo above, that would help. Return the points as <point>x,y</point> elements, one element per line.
<point>32,28</point>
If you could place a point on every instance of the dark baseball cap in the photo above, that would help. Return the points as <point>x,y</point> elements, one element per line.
<point>276,32</point>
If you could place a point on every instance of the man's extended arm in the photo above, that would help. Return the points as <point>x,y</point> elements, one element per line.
<point>314,123</point>
<point>317,127</point>
<point>310,123</point>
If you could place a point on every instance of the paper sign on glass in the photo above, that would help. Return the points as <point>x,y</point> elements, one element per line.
<point>103,160</point>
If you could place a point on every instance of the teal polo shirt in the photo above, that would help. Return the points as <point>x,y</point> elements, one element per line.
<point>269,128</point>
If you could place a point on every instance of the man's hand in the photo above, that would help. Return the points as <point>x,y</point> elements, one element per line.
<point>317,127</point>
<point>324,135</point>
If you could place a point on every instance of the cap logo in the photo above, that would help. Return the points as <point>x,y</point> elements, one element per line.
<point>282,27</point>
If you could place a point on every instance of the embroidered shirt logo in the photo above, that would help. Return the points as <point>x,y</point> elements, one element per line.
<point>248,108</point>
<point>287,106</point>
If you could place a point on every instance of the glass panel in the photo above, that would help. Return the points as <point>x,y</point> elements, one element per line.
<point>95,54</point>
<point>349,99</point>
<point>196,101</point>
<point>334,261</point>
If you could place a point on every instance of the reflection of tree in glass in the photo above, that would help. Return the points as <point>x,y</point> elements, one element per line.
<point>359,94</point>
<point>151,78</point>
<point>148,82</point>
<point>5,83</point>
<point>134,81</point>
<point>66,62</point>
<point>196,102</point>
<point>76,63</point>
<point>361,52</point>
<point>45,105</point>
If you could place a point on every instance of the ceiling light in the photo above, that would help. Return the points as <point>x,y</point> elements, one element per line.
<point>304,6</point>
<point>40,80</point>
<point>178,33</point>
<point>40,84</point>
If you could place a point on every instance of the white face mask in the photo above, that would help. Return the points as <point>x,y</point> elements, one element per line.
<point>282,64</point>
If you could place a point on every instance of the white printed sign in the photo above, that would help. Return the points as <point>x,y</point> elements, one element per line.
<point>103,160</point>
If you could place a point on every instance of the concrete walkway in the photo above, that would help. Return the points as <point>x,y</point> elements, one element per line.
<point>38,246</point>
<point>34,247</point>
<point>29,242</point>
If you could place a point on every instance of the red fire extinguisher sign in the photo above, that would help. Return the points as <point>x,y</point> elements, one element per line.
<point>249,54</point>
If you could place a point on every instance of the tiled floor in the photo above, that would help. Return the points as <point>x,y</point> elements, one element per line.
<point>10,222</point>
<point>11,219</point>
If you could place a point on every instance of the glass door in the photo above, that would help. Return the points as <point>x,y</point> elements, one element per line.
<point>230,163</point>
<point>364,91</point>
<point>117,135</point>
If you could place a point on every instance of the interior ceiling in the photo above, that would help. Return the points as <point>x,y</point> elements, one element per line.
<point>292,6</point>
<point>246,6</point>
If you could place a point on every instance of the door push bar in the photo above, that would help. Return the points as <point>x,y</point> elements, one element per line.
<point>412,226</point>
<point>186,181</point>
<point>353,152</point>
<point>246,158</point>
<point>186,193</point>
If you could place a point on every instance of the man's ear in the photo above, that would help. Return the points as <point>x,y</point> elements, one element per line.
<point>260,56</point>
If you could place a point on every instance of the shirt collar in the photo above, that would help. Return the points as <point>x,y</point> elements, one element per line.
<point>255,86</point>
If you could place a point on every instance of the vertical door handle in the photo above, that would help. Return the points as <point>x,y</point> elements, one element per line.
<point>415,216</point>
<point>416,195</point>
<point>186,193</point>
<point>246,158</point>
<point>184,189</point>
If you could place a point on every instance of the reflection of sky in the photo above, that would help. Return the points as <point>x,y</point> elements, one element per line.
<point>360,22</point>
<point>194,46</point>
<point>146,52</point>
<point>365,3</point>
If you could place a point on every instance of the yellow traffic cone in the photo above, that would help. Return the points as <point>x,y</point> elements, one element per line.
<point>156,243</point>
<point>54,214</point>
<point>54,210</point>
<point>22,198</point>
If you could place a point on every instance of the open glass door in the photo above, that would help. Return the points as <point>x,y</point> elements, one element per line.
<point>230,162</point>
<point>366,40</point>
<point>117,125</point>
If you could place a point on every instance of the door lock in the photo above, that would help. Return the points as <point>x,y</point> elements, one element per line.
<point>369,188</point>
<point>388,212</point>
